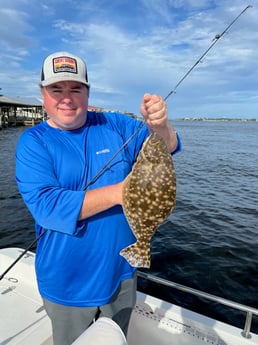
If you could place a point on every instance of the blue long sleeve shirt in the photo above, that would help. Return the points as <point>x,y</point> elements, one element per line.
<point>78,262</point>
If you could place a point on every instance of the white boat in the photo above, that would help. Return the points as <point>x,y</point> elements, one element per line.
<point>154,321</point>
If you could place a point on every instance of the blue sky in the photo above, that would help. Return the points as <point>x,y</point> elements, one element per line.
<point>137,46</point>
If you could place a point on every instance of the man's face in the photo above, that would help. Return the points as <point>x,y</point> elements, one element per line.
<point>66,104</point>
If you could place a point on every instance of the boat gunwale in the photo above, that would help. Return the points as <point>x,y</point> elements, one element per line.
<point>250,311</point>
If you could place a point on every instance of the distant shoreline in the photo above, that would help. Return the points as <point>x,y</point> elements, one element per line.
<point>226,119</point>
<point>215,119</point>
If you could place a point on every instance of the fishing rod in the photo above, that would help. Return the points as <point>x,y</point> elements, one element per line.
<point>214,41</point>
<point>22,254</point>
<point>110,160</point>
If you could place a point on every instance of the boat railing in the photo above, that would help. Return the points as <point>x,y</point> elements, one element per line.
<point>241,307</point>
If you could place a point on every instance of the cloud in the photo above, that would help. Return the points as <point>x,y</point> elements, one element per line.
<point>145,47</point>
<point>14,29</point>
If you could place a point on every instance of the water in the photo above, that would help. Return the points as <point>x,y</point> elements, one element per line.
<point>16,223</point>
<point>210,241</point>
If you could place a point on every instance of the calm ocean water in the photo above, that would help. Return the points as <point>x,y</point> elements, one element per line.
<point>210,241</point>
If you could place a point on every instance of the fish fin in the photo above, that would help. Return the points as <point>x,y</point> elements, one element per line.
<point>136,256</point>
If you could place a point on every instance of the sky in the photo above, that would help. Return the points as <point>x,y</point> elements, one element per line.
<point>132,47</point>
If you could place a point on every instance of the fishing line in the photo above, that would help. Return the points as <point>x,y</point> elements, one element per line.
<point>214,41</point>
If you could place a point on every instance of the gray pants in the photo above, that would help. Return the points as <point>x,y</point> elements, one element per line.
<point>68,323</point>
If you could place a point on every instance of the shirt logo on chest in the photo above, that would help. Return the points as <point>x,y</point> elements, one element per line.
<point>102,151</point>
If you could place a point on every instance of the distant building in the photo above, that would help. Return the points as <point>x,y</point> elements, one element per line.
<point>17,109</point>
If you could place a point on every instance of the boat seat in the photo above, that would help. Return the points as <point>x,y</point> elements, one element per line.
<point>102,332</point>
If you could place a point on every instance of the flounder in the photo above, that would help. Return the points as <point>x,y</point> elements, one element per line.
<point>149,196</point>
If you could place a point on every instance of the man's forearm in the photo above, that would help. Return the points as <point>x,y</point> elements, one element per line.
<point>101,199</point>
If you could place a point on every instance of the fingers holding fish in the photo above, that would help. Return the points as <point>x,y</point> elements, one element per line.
<point>154,110</point>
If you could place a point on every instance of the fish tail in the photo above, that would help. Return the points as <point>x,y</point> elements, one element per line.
<point>137,256</point>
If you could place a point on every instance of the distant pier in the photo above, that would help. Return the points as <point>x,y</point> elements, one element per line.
<point>14,121</point>
<point>23,121</point>
<point>20,112</point>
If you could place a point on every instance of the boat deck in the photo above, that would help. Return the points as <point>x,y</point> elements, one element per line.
<point>154,321</point>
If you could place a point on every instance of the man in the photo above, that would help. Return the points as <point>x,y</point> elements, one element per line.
<point>77,203</point>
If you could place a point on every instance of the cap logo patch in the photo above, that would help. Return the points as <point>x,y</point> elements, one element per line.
<point>64,64</point>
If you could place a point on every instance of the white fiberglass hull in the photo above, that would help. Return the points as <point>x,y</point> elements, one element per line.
<point>23,320</point>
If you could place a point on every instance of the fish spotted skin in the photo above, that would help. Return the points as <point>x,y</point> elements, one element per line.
<point>149,196</point>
